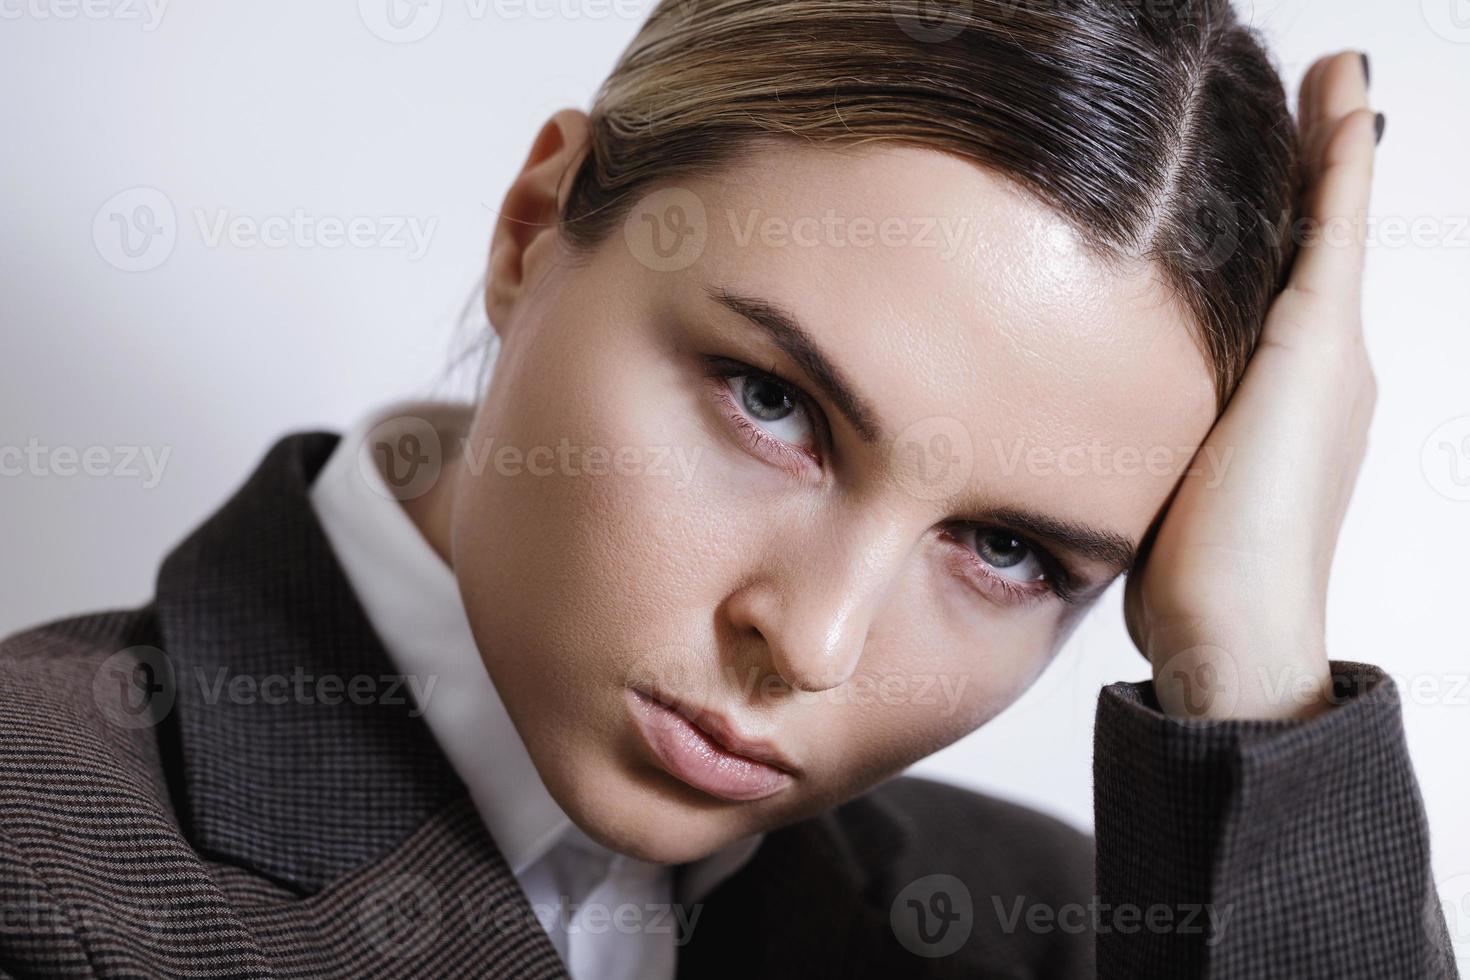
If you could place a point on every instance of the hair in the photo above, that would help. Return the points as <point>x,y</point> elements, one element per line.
<point>1158,129</point>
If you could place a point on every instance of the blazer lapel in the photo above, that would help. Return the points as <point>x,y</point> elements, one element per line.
<point>442,904</point>
<point>301,756</point>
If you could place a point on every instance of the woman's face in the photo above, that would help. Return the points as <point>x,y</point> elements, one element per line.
<point>837,475</point>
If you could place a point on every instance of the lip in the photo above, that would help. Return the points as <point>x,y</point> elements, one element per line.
<point>705,750</point>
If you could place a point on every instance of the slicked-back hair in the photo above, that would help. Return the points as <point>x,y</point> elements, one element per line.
<point>1157,128</point>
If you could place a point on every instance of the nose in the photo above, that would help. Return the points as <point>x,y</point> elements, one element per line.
<point>813,603</point>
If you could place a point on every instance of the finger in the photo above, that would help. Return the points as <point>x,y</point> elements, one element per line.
<point>1339,89</point>
<point>1330,262</point>
<point>1306,106</point>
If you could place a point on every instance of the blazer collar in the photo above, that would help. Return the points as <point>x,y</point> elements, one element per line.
<point>299,753</point>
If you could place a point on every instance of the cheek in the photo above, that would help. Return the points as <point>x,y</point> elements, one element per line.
<point>613,542</point>
<point>937,666</point>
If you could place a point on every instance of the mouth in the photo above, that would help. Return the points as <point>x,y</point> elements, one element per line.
<point>706,751</point>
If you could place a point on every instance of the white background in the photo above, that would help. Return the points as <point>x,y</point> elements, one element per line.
<point>266,107</point>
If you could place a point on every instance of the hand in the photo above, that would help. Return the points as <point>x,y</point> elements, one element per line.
<point>1229,601</point>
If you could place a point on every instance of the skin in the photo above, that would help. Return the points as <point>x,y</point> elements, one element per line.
<point>1230,605</point>
<point>790,577</point>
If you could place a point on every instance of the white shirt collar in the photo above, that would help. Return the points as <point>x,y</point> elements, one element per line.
<point>412,599</point>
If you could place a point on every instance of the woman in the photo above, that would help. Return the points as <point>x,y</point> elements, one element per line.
<point>774,490</point>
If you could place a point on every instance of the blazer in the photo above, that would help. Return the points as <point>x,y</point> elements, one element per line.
<point>225,783</point>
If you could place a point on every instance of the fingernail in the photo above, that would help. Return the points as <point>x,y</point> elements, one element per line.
<point>1379,122</point>
<point>1367,74</point>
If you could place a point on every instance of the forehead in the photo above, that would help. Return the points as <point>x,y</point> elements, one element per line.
<point>941,289</point>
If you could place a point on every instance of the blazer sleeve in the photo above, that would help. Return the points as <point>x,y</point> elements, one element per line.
<point>1263,849</point>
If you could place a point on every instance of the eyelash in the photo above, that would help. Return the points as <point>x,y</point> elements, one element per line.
<point>1055,581</point>
<point>794,459</point>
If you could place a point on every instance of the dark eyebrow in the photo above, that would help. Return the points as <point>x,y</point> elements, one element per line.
<point>791,337</point>
<point>1108,547</point>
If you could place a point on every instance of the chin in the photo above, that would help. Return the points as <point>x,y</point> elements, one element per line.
<point>648,815</point>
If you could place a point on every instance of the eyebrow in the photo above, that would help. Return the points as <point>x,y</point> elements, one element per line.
<point>1108,547</point>
<point>787,332</point>
<point>783,327</point>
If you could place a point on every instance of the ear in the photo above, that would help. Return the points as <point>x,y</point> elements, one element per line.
<point>525,234</point>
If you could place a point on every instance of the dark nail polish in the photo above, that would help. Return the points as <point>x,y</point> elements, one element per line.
<point>1378,123</point>
<point>1367,74</point>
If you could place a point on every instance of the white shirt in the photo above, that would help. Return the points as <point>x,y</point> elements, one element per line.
<point>578,888</point>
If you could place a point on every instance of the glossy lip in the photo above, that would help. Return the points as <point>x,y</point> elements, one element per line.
<point>705,750</point>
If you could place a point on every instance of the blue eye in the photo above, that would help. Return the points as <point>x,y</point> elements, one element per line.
<point>1006,566</point>
<point>774,407</point>
<point>765,400</point>
<point>1008,555</point>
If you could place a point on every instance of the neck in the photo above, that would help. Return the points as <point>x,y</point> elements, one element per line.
<point>432,511</point>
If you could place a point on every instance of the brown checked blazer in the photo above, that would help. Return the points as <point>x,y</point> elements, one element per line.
<point>169,809</point>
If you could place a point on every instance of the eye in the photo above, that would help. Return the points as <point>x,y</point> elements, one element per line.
<point>1006,566</point>
<point>1010,556</point>
<point>774,406</point>
<point>773,420</point>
